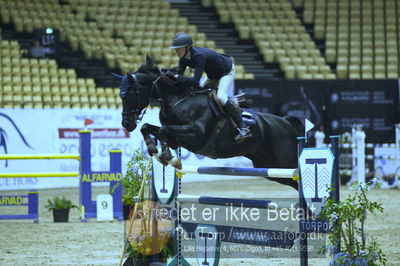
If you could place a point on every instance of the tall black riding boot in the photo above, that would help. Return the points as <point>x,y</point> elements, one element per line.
<point>243,130</point>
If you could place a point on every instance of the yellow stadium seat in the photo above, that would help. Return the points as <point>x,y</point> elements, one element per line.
<point>355,59</point>
<point>330,55</point>
<point>342,72</point>
<point>7,80</point>
<point>27,89</point>
<point>393,75</point>
<point>318,76</point>
<point>300,70</point>
<point>306,76</point>
<point>330,76</point>
<point>367,74</point>
<point>367,60</point>
<point>284,61</point>
<point>290,71</point>
<point>379,60</point>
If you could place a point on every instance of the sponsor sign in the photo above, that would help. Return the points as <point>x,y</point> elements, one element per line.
<point>164,182</point>
<point>207,244</point>
<point>316,168</point>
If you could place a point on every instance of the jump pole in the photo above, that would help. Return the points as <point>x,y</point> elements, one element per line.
<point>232,171</point>
<point>20,200</point>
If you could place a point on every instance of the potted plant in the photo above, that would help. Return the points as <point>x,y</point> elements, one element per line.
<point>132,180</point>
<point>348,238</point>
<point>60,207</point>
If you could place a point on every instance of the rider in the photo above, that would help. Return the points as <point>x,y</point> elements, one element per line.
<point>217,67</point>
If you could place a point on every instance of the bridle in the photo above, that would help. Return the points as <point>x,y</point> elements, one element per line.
<point>136,113</point>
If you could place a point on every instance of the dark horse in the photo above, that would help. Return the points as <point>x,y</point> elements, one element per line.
<point>188,121</point>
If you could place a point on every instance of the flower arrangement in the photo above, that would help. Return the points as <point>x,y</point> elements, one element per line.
<point>143,242</point>
<point>149,237</point>
<point>141,245</point>
<point>348,219</point>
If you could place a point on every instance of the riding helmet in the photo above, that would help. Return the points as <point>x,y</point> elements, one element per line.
<point>181,40</point>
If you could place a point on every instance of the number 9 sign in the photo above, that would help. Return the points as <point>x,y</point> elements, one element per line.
<point>104,206</point>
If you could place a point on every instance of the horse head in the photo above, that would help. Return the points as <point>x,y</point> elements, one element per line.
<point>135,93</point>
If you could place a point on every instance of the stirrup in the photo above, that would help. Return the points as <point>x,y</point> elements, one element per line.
<point>243,133</point>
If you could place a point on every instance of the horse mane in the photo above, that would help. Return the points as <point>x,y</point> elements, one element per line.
<point>148,68</point>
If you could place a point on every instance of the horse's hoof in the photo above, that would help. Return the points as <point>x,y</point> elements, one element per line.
<point>152,150</point>
<point>163,162</point>
<point>166,155</point>
<point>176,163</point>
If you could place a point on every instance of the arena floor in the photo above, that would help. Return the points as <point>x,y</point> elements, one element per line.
<point>100,243</point>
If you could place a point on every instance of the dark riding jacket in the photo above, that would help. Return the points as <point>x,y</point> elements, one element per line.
<point>215,65</point>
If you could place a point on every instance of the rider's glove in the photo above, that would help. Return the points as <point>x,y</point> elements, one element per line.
<point>203,82</point>
<point>170,75</point>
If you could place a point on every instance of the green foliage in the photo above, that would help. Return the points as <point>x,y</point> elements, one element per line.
<point>348,220</point>
<point>133,178</point>
<point>59,203</point>
<point>169,250</point>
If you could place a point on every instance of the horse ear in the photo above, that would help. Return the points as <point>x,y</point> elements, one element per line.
<point>117,76</point>
<point>130,77</point>
<point>149,60</point>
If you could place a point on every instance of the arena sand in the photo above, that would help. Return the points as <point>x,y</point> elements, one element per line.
<point>100,243</point>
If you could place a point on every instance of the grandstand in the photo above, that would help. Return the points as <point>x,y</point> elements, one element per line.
<point>293,39</point>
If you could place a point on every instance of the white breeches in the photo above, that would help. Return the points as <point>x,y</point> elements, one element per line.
<point>225,83</point>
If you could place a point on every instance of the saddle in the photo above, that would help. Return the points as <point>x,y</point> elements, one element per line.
<point>239,101</point>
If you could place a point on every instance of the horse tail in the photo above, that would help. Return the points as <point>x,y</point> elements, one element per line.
<point>297,124</point>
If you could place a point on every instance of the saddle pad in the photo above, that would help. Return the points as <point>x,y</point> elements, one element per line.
<point>248,117</point>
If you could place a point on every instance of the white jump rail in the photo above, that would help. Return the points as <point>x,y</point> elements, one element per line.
<point>250,172</point>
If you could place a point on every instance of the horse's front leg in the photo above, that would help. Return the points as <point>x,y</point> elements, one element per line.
<point>165,157</point>
<point>146,131</point>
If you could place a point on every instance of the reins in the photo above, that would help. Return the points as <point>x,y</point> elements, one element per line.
<point>171,82</point>
<point>190,95</point>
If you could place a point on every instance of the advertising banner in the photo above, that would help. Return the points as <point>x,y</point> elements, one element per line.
<point>263,94</point>
<point>337,105</point>
<point>372,104</point>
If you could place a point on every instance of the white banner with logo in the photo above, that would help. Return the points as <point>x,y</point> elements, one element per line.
<point>56,131</point>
